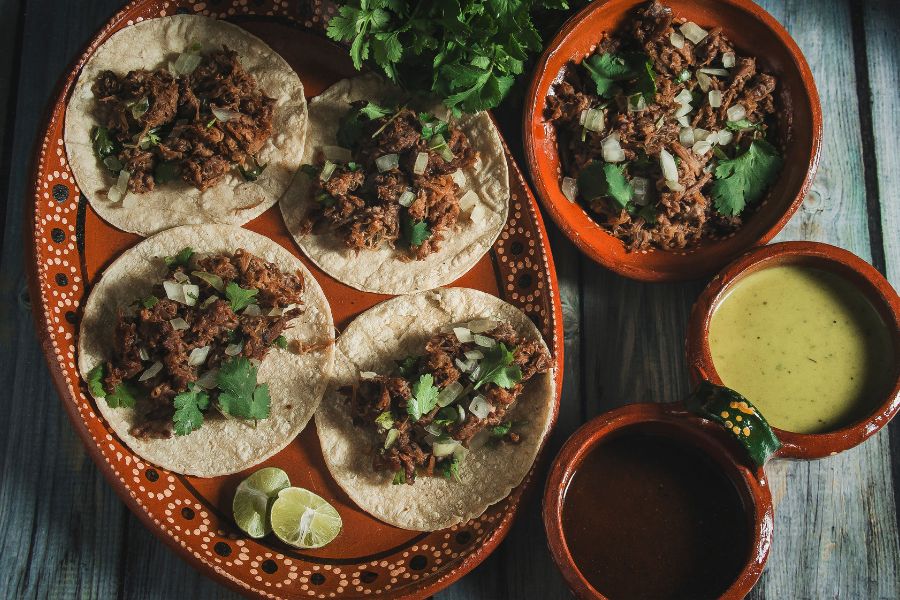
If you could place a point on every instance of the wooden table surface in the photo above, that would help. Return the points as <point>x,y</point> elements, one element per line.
<point>65,534</point>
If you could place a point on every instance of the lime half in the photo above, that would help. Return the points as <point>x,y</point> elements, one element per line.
<point>254,496</point>
<point>303,519</point>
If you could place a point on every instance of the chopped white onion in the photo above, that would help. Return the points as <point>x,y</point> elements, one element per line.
<point>449,394</point>
<point>406,198</point>
<point>387,162</point>
<point>459,178</point>
<point>181,277</point>
<point>659,122</point>
<point>715,98</point>
<point>702,147</point>
<point>640,185</point>
<point>686,137</point>
<point>198,356</point>
<point>700,134</point>
<point>480,407</point>
<point>186,63</point>
<point>484,341</point>
<point>142,352</point>
<point>233,349</point>
<point>693,32</point>
<point>611,149</point>
<point>683,121</point>
<point>676,39</point>
<point>481,325</point>
<point>569,188</point>
<point>327,170</point>
<point>725,137</point>
<point>675,186</point>
<point>209,379</point>
<point>130,201</point>
<point>214,281</point>
<point>223,114</point>
<point>473,354</point>
<point>252,310</point>
<point>421,163</point>
<point>736,112</point>
<point>462,413</point>
<point>464,365</point>
<point>683,110</point>
<point>463,334</point>
<point>191,293</point>
<point>444,447</point>
<point>276,312</point>
<point>120,190</point>
<point>593,119</point>
<point>667,163</point>
<point>728,60</point>
<point>704,81</point>
<point>713,138</point>
<point>368,375</point>
<point>636,103</point>
<point>391,437</point>
<point>209,300</point>
<point>174,290</point>
<point>476,215</point>
<point>684,97</point>
<point>718,72</point>
<point>434,430</point>
<point>151,371</point>
<point>178,324</point>
<point>468,201</point>
<point>337,154</point>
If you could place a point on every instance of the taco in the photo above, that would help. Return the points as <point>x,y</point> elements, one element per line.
<point>437,408</point>
<point>392,197</point>
<point>184,120</point>
<point>207,348</point>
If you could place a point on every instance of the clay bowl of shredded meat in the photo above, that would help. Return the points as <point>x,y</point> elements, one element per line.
<point>666,138</point>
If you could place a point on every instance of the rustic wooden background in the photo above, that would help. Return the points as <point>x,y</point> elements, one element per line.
<point>64,533</point>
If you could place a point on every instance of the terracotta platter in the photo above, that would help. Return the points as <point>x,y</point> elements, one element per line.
<point>71,245</point>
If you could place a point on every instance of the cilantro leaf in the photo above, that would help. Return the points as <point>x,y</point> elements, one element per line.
<point>432,126</point>
<point>104,145</point>
<point>501,430</point>
<point>281,342</point>
<point>450,468</point>
<point>252,173</point>
<point>240,396</point>
<point>189,405</point>
<point>399,478</point>
<point>648,213</point>
<point>424,397</point>
<point>744,179</point>
<point>181,259</point>
<point>599,180</point>
<point>407,366</point>
<point>646,81</point>
<point>150,301</point>
<point>414,232</point>
<point>351,124</point>
<point>446,416</point>
<point>742,125</point>
<point>122,397</point>
<point>239,297</point>
<point>95,380</point>
<point>498,367</point>
<point>385,420</point>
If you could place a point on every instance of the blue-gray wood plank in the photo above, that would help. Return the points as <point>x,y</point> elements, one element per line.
<point>64,534</point>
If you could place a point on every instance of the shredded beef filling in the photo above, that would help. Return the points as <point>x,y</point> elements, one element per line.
<point>412,452</point>
<point>146,335</point>
<point>663,217</point>
<point>361,202</point>
<point>162,126</point>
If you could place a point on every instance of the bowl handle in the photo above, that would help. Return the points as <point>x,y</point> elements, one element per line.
<point>736,415</point>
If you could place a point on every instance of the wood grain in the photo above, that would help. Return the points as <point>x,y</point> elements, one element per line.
<point>64,534</point>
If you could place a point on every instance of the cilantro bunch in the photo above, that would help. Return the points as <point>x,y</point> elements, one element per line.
<point>467,53</point>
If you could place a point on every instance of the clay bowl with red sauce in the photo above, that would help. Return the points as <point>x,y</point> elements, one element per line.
<point>712,445</point>
<point>754,33</point>
<point>860,275</point>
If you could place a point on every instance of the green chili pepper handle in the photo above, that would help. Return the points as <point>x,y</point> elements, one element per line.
<point>738,416</point>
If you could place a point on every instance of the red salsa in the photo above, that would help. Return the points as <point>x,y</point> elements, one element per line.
<point>647,516</point>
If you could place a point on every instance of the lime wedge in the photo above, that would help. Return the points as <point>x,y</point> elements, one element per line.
<point>253,498</point>
<point>303,519</point>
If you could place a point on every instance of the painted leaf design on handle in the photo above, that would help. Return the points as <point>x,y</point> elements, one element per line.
<point>737,415</point>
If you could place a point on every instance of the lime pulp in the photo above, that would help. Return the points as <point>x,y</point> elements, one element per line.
<point>254,497</point>
<point>304,520</point>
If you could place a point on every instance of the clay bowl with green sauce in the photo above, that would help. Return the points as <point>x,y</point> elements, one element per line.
<point>651,501</point>
<point>754,32</point>
<point>810,334</point>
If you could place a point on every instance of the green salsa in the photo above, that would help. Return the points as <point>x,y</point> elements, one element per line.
<point>804,345</point>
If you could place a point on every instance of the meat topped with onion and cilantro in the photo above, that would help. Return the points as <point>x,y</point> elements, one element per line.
<point>394,180</point>
<point>428,411</point>
<point>197,340</point>
<point>198,119</point>
<point>666,132</point>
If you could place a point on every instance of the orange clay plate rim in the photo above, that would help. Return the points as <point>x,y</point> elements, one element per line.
<point>70,246</point>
